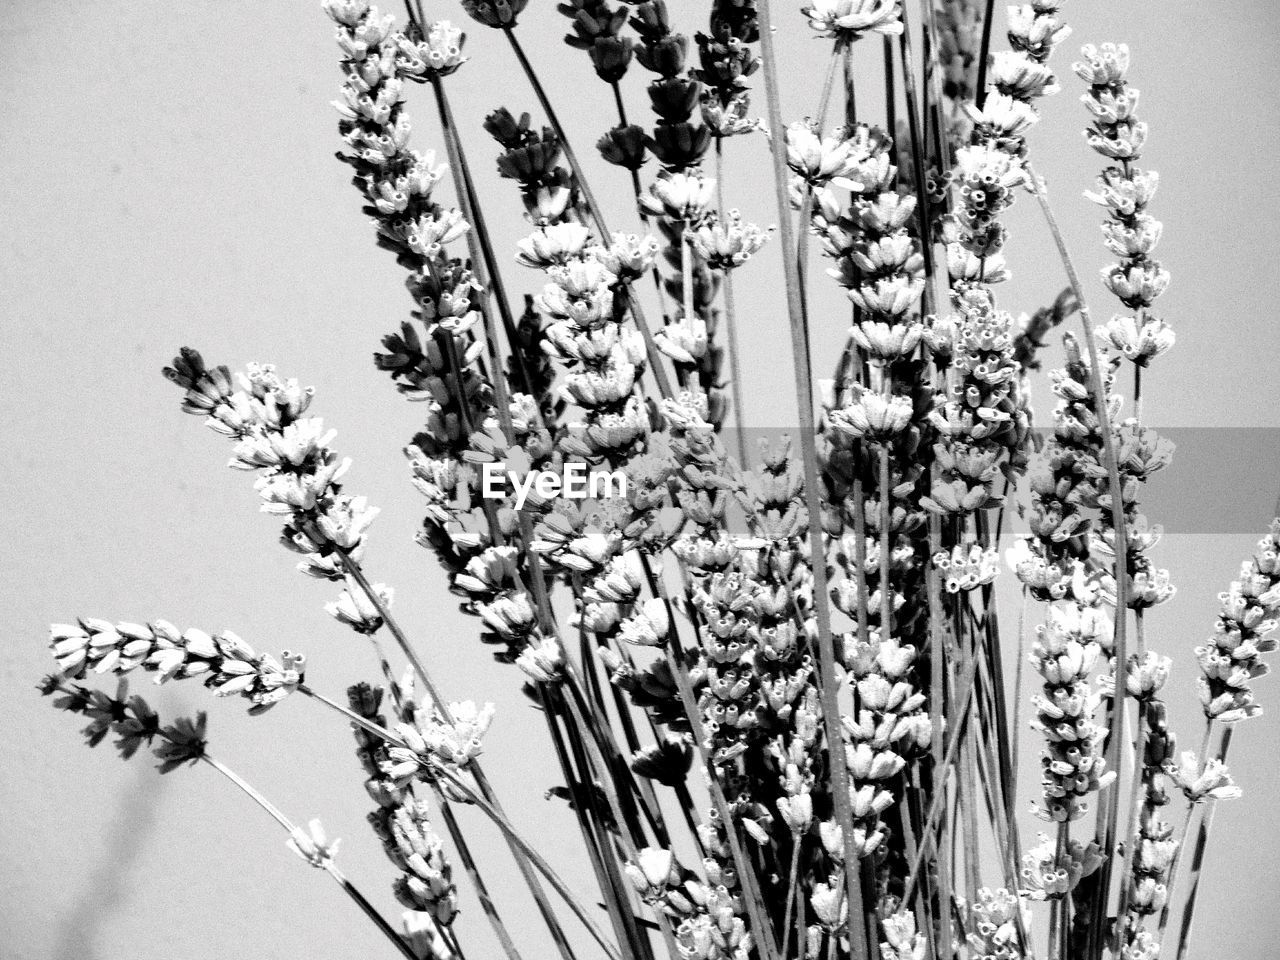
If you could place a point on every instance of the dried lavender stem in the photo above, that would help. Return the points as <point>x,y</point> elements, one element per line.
<point>371,911</point>
<point>937,802</point>
<point>731,325</point>
<point>793,884</point>
<point>1110,812</point>
<point>513,836</point>
<point>804,399</point>
<point>1132,821</point>
<point>486,265</point>
<point>755,909</point>
<point>477,881</point>
<point>1197,857</point>
<point>347,886</point>
<point>491,810</point>
<point>984,55</point>
<point>917,161</point>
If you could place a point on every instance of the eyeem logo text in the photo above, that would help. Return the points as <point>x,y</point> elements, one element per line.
<point>574,482</point>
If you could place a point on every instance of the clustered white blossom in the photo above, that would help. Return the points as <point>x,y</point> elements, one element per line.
<point>401,820</point>
<point>850,20</point>
<point>1125,191</point>
<point>227,664</point>
<point>1232,658</point>
<point>1065,653</point>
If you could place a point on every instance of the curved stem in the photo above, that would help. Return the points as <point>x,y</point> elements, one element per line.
<point>347,886</point>
<point>525,855</point>
<point>503,824</point>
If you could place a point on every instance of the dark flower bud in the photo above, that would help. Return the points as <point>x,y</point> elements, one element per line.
<point>723,65</point>
<point>532,163</point>
<point>504,128</point>
<point>668,762</point>
<point>679,145</point>
<point>624,146</point>
<point>735,18</point>
<point>665,56</point>
<point>651,21</point>
<point>674,99</point>
<point>500,14</point>
<point>611,57</point>
<point>592,20</point>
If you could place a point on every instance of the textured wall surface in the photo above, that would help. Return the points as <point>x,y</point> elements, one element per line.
<point>168,178</point>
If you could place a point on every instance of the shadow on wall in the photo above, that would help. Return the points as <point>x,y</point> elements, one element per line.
<point>106,888</point>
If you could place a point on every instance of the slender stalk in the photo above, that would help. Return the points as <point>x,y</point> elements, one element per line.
<point>487,270</point>
<point>1197,859</point>
<point>686,289</point>
<point>615,806</point>
<point>1015,724</point>
<point>1110,812</point>
<point>1134,811</point>
<point>477,881</point>
<point>553,118</point>
<point>984,54</point>
<point>347,886</point>
<point>599,822</point>
<point>886,516</point>
<point>806,205</point>
<point>731,325</point>
<point>1175,869</point>
<point>804,399</point>
<point>793,884</point>
<point>369,910</point>
<point>479,796</point>
<point>939,668</point>
<point>487,904</point>
<point>939,797</point>
<point>354,570</point>
<point>503,824</point>
<point>755,909</point>
<point>918,164</point>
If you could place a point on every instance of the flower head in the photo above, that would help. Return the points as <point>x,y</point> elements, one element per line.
<point>312,845</point>
<point>439,54</point>
<point>495,13</point>
<point>1212,782</point>
<point>851,20</point>
<point>727,242</point>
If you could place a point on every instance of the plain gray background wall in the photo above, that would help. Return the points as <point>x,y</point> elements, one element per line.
<point>168,179</point>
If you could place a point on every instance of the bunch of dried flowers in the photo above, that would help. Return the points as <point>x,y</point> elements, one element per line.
<point>773,681</point>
